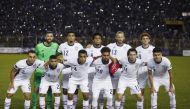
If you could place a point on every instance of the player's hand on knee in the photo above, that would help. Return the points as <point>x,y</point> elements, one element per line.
<point>172,90</point>
<point>11,85</point>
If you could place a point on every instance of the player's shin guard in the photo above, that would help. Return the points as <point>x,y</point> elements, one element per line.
<point>70,104</point>
<point>101,100</point>
<point>75,98</point>
<point>139,105</point>
<point>64,101</point>
<point>117,104</point>
<point>57,103</point>
<point>122,102</point>
<point>172,100</point>
<point>26,104</point>
<point>42,102</point>
<point>85,104</point>
<point>153,100</point>
<point>7,103</point>
<point>109,103</point>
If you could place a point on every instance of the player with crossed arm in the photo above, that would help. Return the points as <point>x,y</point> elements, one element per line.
<point>144,52</point>
<point>94,51</point>
<point>102,78</point>
<point>20,77</point>
<point>160,74</point>
<point>52,69</point>
<point>128,78</point>
<point>69,50</point>
<point>79,68</point>
<point>43,51</point>
<point>118,50</point>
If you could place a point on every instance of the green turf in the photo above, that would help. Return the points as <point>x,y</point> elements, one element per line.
<point>181,69</point>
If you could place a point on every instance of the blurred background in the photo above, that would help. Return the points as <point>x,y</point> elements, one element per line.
<point>23,22</point>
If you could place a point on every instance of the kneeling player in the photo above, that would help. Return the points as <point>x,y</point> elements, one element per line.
<point>20,77</point>
<point>52,71</point>
<point>79,68</point>
<point>160,74</point>
<point>128,78</point>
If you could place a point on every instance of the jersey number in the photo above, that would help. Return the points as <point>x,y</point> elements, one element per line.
<point>65,52</point>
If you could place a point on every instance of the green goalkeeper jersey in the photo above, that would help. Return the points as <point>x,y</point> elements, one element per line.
<point>44,52</point>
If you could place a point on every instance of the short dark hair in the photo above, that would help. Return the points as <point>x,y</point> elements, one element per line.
<point>97,34</point>
<point>131,50</point>
<point>31,51</point>
<point>82,52</point>
<point>157,49</point>
<point>48,32</point>
<point>70,32</point>
<point>53,57</point>
<point>145,34</point>
<point>105,49</point>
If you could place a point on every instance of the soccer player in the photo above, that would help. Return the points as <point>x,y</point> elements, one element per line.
<point>43,51</point>
<point>102,78</point>
<point>20,77</point>
<point>118,50</point>
<point>128,78</point>
<point>160,74</point>
<point>144,52</point>
<point>69,50</point>
<point>94,51</point>
<point>79,77</point>
<point>52,69</point>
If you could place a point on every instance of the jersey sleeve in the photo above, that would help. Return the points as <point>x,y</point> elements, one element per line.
<point>149,65</point>
<point>168,64</point>
<point>67,70</point>
<point>59,49</point>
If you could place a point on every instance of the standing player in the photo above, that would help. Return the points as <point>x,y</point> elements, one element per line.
<point>128,78</point>
<point>20,77</point>
<point>94,51</point>
<point>102,79</point>
<point>43,51</point>
<point>52,70</point>
<point>79,77</point>
<point>118,50</point>
<point>160,74</point>
<point>144,52</point>
<point>69,50</point>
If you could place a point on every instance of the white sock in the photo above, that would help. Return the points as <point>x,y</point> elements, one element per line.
<point>70,104</point>
<point>101,100</point>
<point>117,104</point>
<point>139,105</point>
<point>64,101</point>
<point>95,102</point>
<point>122,102</point>
<point>57,103</point>
<point>42,103</point>
<point>7,103</point>
<point>153,100</point>
<point>75,98</point>
<point>26,104</point>
<point>109,103</point>
<point>172,100</point>
<point>85,104</point>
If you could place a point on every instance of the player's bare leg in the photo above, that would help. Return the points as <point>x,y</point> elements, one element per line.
<point>85,100</point>
<point>70,101</point>
<point>27,97</point>
<point>139,101</point>
<point>42,101</point>
<point>64,98</point>
<point>57,100</point>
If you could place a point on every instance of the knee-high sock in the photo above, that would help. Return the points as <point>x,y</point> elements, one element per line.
<point>172,100</point>
<point>139,105</point>
<point>85,104</point>
<point>7,103</point>
<point>69,104</point>
<point>122,102</point>
<point>109,103</point>
<point>153,100</point>
<point>57,103</point>
<point>117,104</point>
<point>94,102</point>
<point>42,103</point>
<point>64,101</point>
<point>26,104</point>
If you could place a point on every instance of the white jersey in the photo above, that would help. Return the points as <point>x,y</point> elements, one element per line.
<point>94,52</point>
<point>101,70</point>
<point>119,51</point>
<point>145,53</point>
<point>130,70</point>
<point>25,71</point>
<point>79,72</point>
<point>160,70</point>
<point>52,75</point>
<point>68,51</point>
